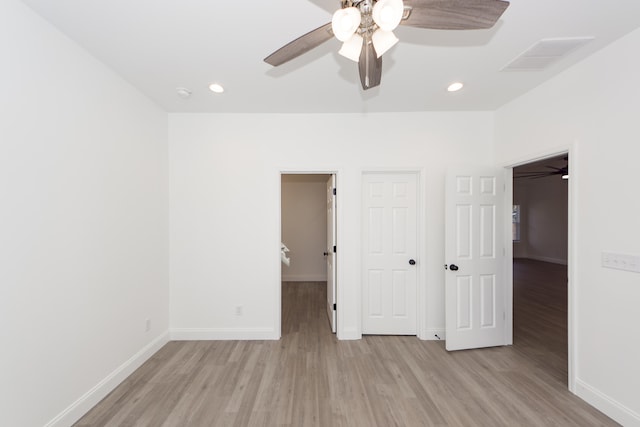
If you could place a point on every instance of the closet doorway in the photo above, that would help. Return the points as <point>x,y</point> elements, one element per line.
<point>308,234</point>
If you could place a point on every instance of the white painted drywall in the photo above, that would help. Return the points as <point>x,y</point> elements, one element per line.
<point>83,225</point>
<point>304,226</point>
<point>595,105</point>
<point>543,218</point>
<point>225,206</point>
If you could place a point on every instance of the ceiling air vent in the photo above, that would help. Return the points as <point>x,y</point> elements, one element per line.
<point>546,52</point>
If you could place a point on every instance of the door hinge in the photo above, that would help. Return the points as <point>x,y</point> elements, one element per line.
<point>335,307</point>
<point>334,192</point>
<point>335,250</point>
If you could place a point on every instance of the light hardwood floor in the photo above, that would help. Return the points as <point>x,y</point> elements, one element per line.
<point>308,378</point>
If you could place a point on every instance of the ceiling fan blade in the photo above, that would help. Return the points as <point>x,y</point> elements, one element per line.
<point>557,170</point>
<point>533,174</point>
<point>370,65</point>
<point>543,176</point>
<point>300,45</point>
<point>453,14</point>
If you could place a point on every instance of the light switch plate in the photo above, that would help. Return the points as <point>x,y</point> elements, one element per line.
<point>621,261</point>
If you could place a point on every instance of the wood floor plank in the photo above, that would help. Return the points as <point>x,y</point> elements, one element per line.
<point>309,378</point>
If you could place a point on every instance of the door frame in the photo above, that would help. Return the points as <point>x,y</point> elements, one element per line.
<point>421,284</point>
<point>338,225</point>
<point>572,301</point>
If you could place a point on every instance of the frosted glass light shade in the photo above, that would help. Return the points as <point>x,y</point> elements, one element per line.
<point>351,48</point>
<point>345,22</point>
<point>388,14</point>
<point>383,41</point>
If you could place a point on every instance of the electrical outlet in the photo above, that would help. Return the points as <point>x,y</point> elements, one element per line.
<point>147,325</point>
<point>621,261</point>
<point>238,310</point>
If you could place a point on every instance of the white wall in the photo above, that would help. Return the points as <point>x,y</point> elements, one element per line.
<point>543,218</point>
<point>83,225</point>
<point>304,226</point>
<point>596,107</point>
<point>225,192</point>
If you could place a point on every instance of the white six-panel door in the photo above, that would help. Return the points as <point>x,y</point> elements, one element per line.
<point>474,286</point>
<point>389,251</point>
<point>331,253</point>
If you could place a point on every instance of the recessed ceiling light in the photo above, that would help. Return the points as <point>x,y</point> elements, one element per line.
<point>215,87</point>
<point>454,87</point>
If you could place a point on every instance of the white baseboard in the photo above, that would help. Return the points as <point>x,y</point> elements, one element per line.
<point>91,398</point>
<point>221,334</point>
<point>304,277</point>
<point>548,259</point>
<point>620,413</point>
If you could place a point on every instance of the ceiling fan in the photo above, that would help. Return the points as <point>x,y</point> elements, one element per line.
<point>552,171</point>
<point>366,28</point>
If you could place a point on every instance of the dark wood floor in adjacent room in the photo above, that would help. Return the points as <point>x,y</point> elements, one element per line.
<point>309,378</point>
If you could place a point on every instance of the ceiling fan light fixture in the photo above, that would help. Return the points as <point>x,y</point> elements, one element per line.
<point>383,41</point>
<point>345,22</point>
<point>365,18</point>
<point>387,14</point>
<point>351,48</point>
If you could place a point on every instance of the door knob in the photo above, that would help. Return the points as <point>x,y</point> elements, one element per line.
<point>325,253</point>
<point>412,262</point>
<point>453,267</point>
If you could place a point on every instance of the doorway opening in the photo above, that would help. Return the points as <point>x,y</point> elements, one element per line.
<point>540,235</point>
<point>308,234</point>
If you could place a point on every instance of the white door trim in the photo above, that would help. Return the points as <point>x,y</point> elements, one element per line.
<point>572,151</point>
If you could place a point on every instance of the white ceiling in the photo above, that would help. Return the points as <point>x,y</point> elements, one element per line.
<point>159,45</point>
